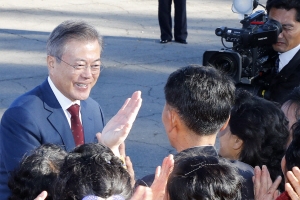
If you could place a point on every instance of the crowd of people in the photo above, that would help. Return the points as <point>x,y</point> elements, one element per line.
<point>55,144</point>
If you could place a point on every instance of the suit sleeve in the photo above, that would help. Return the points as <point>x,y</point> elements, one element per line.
<point>18,135</point>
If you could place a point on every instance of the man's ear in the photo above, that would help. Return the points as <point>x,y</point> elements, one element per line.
<point>50,62</point>
<point>173,116</point>
<point>225,124</point>
<point>237,142</point>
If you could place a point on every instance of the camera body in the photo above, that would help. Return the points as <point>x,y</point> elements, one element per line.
<point>251,50</point>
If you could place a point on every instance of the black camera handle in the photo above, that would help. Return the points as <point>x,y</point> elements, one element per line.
<point>257,16</point>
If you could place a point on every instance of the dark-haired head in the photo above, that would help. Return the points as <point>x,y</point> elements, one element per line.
<point>92,169</point>
<point>204,177</point>
<point>291,109</point>
<point>37,172</point>
<point>292,155</point>
<point>284,4</point>
<point>261,129</point>
<point>202,96</point>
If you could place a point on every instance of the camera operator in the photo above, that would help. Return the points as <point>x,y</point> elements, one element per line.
<point>285,75</point>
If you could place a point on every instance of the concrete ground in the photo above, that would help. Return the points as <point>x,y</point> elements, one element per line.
<point>133,58</point>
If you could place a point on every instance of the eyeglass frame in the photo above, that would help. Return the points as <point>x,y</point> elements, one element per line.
<point>94,70</point>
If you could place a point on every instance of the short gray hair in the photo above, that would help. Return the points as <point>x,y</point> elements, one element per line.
<point>69,30</point>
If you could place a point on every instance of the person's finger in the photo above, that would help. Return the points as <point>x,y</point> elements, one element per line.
<point>274,186</point>
<point>157,172</point>
<point>257,177</point>
<point>42,196</point>
<point>98,136</point>
<point>167,165</point>
<point>294,181</point>
<point>266,181</point>
<point>296,172</point>
<point>136,96</point>
<point>134,103</point>
<point>130,169</point>
<point>269,180</point>
<point>161,178</point>
<point>122,148</point>
<point>290,190</point>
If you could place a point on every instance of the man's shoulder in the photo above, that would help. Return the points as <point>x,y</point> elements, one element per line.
<point>294,62</point>
<point>90,105</point>
<point>199,150</point>
<point>31,97</point>
<point>32,102</point>
<point>244,169</point>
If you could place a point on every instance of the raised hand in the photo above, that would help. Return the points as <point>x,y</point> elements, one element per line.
<point>117,129</point>
<point>161,178</point>
<point>293,187</point>
<point>264,189</point>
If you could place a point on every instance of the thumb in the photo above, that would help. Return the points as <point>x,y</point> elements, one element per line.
<point>98,135</point>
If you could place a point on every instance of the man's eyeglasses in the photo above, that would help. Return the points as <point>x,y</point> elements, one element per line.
<point>78,68</point>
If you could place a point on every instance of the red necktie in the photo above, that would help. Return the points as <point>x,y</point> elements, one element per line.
<point>76,126</point>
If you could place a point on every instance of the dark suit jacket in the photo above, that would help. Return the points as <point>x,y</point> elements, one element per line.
<point>245,170</point>
<point>281,84</point>
<point>37,118</point>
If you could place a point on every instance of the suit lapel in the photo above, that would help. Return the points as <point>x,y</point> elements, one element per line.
<point>57,117</point>
<point>291,67</point>
<point>87,122</point>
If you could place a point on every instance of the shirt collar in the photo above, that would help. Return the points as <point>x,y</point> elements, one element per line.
<point>286,57</point>
<point>64,102</point>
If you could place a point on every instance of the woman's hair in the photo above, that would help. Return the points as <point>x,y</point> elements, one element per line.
<point>292,155</point>
<point>92,169</point>
<point>294,99</point>
<point>37,172</point>
<point>263,128</point>
<point>204,177</point>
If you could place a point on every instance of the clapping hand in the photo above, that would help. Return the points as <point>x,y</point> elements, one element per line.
<point>264,188</point>
<point>117,129</point>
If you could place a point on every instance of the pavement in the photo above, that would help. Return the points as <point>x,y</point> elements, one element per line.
<point>133,58</point>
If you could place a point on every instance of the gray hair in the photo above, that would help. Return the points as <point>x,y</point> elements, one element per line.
<point>69,30</point>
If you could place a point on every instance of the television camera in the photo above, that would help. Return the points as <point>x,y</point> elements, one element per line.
<point>252,44</point>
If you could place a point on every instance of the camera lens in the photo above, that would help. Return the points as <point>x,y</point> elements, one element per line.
<point>225,63</point>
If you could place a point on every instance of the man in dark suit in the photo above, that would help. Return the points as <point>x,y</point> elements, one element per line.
<point>279,82</point>
<point>198,104</point>
<point>42,115</point>
<point>165,21</point>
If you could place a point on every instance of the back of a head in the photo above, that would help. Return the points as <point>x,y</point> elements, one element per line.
<point>36,173</point>
<point>92,169</point>
<point>203,178</point>
<point>70,30</point>
<point>284,4</point>
<point>203,97</point>
<point>292,154</point>
<point>263,128</point>
<point>294,99</point>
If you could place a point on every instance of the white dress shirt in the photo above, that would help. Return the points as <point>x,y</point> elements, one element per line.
<point>64,102</point>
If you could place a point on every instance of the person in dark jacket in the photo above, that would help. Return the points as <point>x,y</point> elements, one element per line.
<point>198,104</point>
